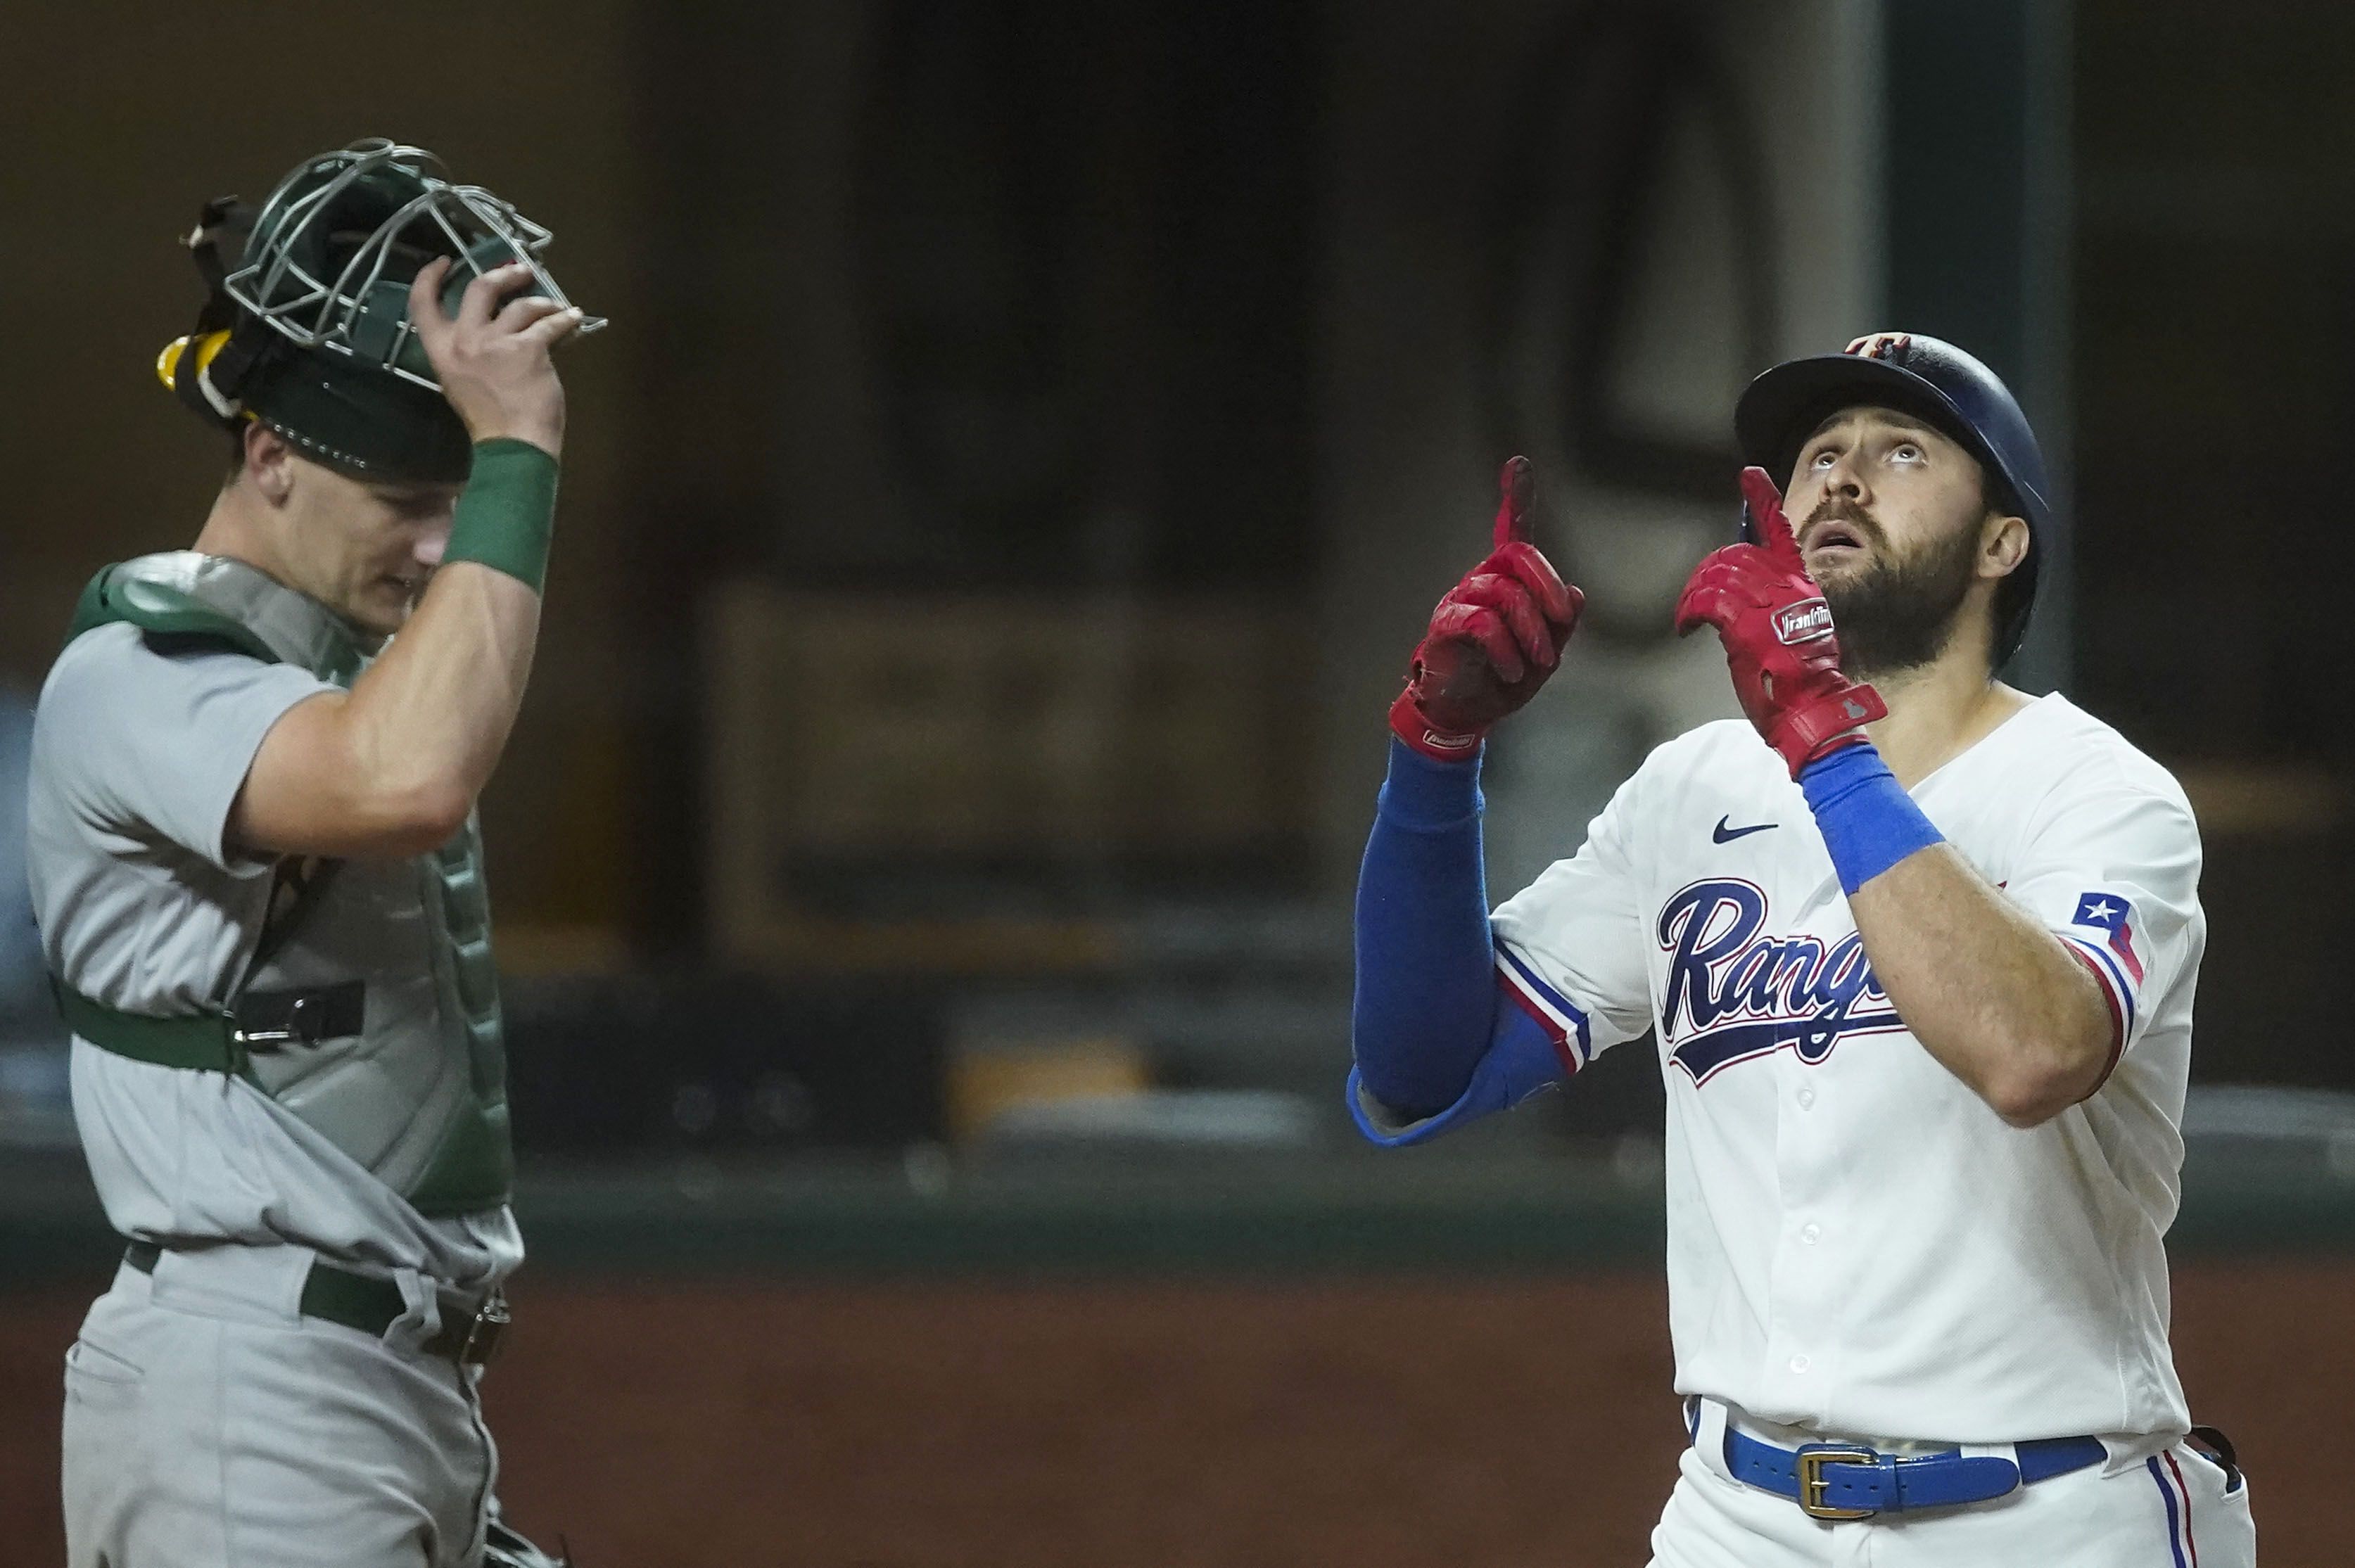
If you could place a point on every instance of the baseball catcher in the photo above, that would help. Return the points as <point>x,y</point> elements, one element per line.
<point>1918,952</point>
<point>253,854</point>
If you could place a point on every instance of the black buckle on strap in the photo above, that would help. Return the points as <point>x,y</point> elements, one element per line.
<point>266,1020</point>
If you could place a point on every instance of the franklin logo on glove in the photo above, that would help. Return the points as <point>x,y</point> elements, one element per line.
<point>1762,602</point>
<point>1804,622</point>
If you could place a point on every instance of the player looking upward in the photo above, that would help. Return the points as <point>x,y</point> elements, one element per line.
<point>1920,968</point>
<point>253,854</point>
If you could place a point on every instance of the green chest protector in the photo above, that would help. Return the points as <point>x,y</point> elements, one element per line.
<point>366,1000</point>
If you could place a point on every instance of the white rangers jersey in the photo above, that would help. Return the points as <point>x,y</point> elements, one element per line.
<point>1857,1243</point>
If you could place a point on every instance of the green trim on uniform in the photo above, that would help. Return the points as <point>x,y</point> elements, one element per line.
<point>506,518</point>
<point>152,608</point>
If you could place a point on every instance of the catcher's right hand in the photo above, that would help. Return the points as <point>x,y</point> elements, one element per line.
<point>493,357</point>
<point>1493,640</point>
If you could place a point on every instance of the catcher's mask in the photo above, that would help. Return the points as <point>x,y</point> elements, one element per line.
<point>306,326</point>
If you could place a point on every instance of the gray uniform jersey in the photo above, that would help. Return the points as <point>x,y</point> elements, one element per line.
<point>137,758</point>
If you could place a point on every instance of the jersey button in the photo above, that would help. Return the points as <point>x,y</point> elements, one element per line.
<point>1807,1099</point>
<point>1800,1364</point>
<point>1811,1232</point>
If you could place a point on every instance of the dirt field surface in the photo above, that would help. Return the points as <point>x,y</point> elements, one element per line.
<point>1365,1423</point>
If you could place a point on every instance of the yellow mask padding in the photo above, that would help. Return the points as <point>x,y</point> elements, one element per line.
<point>167,362</point>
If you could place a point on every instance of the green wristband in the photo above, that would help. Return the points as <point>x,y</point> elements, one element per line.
<point>506,513</point>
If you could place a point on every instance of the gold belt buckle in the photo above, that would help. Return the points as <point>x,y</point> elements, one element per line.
<point>1813,1485</point>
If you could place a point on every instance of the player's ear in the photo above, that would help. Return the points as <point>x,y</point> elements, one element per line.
<point>2003,544</point>
<point>268,463</point>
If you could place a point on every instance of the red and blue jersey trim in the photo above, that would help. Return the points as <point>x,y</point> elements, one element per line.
<point>2115,988</point>
<point>1564,1024</point>
<point>2116,992</point>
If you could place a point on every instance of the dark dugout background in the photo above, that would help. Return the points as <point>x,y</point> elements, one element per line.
<point>988,348</point>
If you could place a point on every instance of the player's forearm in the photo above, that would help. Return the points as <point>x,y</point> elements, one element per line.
<point>1990,993</point>
<point>432,715</point>
<point>430,719</point>
<point>1426,998</point>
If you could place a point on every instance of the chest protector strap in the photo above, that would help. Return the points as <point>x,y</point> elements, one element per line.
<point>218,1042</point>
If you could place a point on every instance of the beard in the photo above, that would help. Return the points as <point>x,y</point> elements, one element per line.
<point>1892,615</point>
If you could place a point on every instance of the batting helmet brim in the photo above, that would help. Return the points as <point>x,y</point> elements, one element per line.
<point>1787,404</point>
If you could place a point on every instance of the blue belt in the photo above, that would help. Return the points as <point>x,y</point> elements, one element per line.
<point>1843,1480</point>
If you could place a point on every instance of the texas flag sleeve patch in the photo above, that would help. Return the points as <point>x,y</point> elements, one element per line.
<point>2101,937</point>
<point>2108,912</point>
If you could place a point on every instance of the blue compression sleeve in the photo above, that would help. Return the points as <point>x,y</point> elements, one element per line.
<point>1426,992</point>
<point>1521,1059</point>
<point>1868,820</point>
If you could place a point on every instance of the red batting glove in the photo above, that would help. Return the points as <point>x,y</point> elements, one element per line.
<point>1778,636</point>
<point>1493,639</point>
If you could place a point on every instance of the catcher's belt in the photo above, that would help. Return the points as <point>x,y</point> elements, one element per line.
<point>470,1331</point>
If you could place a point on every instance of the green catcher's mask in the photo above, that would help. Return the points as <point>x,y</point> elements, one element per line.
<point>305,327</point>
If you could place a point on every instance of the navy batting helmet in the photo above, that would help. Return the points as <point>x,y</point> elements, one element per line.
<point>1932,381</point>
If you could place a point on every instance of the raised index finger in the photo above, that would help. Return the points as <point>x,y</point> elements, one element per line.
<point>1514,485</point>
<point>1763,503</point>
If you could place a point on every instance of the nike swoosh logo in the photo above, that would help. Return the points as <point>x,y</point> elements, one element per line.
<point>1723,835</point>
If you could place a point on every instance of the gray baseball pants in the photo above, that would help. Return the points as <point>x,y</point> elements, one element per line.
<point>210,1424</point>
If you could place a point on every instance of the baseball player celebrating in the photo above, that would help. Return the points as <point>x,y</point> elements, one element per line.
<point>254,859</point>
<point>1920,966</point>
